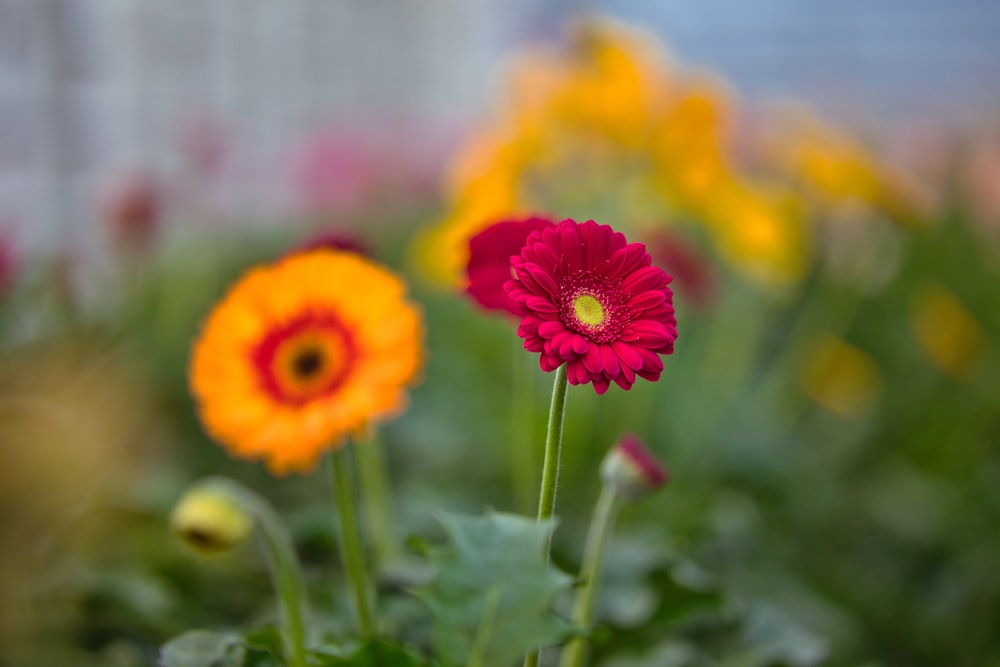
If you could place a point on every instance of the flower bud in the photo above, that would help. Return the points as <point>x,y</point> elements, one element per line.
<point>131,208</point>
<point>210,521</point>
<point>334,239</point>
<point>632,470</point>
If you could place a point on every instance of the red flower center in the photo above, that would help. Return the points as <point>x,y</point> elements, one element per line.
<point>593,307</point>
<point>304,359</point>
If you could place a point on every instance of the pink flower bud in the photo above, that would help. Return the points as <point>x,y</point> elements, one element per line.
<point>632,469</point>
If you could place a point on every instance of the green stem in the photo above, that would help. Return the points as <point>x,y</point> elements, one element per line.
<point>553,451</point>
<point>284,565</point>
<point>575,652</point>
<point>550,467</point>
<point>374,486</point>
<point>351,550</point>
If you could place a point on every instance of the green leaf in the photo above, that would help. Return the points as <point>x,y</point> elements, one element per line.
<point>491,600</point>
<point>376,653</point>
<point>264,647</point>
<point>201,648</point>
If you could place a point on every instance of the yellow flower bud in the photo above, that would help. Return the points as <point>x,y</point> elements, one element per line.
<point>210,521</point>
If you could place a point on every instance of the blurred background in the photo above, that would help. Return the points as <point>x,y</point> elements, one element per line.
<point>822,181</point>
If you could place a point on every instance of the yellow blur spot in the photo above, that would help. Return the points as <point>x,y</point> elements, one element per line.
<point>840,377</point>
<point>950,337</point>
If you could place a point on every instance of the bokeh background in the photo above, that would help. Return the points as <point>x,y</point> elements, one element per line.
<point>823,182</point>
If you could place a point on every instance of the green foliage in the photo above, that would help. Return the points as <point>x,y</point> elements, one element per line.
<point>491,600</point>
<point>262,647</point>
<point>201,648</point>
<point>376,653</point>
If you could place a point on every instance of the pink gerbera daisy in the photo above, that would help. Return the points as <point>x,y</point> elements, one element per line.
<point>594,302</point>
<point>489,261</point>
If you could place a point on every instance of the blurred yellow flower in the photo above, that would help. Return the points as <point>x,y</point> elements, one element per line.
<point>302,353</point>
<point>946,331</point>
<point>834,167</point>
<point>688,146</point>
<point>761,233</point>
<point>840,377</point>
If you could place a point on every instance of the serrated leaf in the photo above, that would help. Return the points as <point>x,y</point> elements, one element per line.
<point>201,648</point>
<point>492,596</point>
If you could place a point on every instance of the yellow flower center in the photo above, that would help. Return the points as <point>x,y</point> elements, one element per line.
<point>588,310</point>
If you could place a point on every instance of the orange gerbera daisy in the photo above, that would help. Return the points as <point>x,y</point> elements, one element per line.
<point>303,352</point>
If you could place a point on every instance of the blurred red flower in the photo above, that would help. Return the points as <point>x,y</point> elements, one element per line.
<point>489,266</point>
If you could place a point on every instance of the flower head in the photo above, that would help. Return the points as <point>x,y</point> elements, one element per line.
<point>303,352</point>
<point>489,261</point>
<point>594,302</point>
<point>632,469</point>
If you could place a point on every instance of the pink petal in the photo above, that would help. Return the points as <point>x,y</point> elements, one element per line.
<point>549,328</point>
<point>576,373</point>
<point>652,376</point>
<point>647,300</point>
<point>543,279</point>
<point>628,375</point>
<point>562,342</point>
<point>650,361</point>
<point>616,262</point>
<point>547,257</point>
<point>593,359</point>
<point>629,357</point>
<point>624,383</point>
<point>569,248</point>
<point>540,304</point>
<point>646,278</point>
<point>549,362</point>
<point>651,334</point>
<point>611,365</point>
<point>637,258</point>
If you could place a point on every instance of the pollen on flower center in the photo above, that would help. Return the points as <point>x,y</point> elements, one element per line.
<point>588,310</point>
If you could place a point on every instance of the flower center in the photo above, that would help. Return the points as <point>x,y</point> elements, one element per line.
<point>588,310</point>
<point>305,359</point>
<point>307,362</point>
<point>593,306</point>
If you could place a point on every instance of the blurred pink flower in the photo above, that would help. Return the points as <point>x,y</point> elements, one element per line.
<point>347,168</point>
<point>131,208</point>
<point>204,143</point>
<point>336,170</point>
<point>8,265</point>
<point>980,182</point>
<point>681,258</point>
